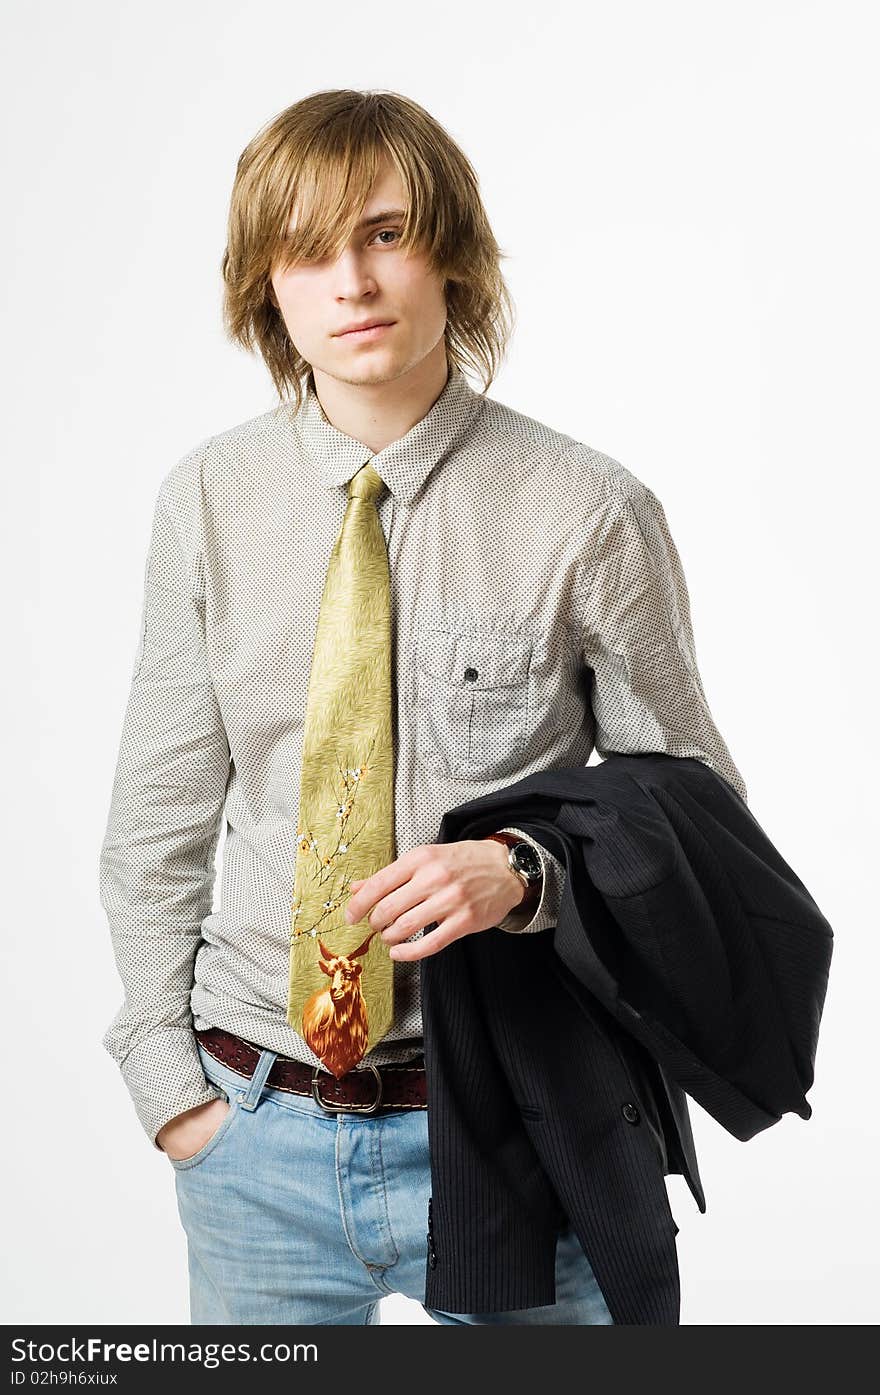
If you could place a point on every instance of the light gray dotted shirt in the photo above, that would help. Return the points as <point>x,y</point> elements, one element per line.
<point>539,613</point>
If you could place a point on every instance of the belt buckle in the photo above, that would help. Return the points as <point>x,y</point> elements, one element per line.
<point>348,1108</point>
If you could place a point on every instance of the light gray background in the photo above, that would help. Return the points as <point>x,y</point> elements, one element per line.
<point>688,195</point>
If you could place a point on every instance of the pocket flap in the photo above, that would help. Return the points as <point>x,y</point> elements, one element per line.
<point>489,660</point>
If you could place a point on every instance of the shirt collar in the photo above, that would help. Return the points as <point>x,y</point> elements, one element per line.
<point>404,464</point>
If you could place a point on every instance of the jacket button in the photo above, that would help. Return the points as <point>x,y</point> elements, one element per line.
<point>630,1113</point>
<point>471,674</point>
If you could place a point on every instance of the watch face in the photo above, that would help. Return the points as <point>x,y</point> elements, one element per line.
<point>528,861</point>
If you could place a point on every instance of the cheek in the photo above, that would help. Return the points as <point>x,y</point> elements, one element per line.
<point>424,291</point>
<point>302,321</point>
<point>298,298</point>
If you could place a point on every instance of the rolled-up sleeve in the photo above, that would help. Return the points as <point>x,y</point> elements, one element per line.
<point>637,639</point>
<point>546,913</point>
<point>156,866</point>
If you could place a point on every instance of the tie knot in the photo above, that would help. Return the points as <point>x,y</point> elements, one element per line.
<point>367,484</point>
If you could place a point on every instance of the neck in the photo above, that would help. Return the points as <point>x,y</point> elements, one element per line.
<point>378,413</point>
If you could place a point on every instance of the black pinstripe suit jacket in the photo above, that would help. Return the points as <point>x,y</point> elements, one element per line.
<point>688,959</point>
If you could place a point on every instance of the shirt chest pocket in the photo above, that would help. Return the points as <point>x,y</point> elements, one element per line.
<point>472,694</point>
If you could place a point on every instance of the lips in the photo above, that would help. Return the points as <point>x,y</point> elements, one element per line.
<point>365,328</point>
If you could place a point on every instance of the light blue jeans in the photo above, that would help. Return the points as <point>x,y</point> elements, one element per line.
<point>294,1215</point>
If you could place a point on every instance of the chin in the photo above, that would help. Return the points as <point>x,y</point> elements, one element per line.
<point>378,368</point>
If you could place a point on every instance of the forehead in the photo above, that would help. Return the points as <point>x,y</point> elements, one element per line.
<point>387,185</point>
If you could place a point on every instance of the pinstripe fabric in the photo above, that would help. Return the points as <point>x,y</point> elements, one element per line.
<point>570,1154</point>
<point>689,961</point>
<point>539,612</point>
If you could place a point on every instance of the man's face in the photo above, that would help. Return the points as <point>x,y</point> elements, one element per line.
<point>370,280</point>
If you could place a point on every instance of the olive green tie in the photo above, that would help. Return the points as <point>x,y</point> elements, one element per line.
<point>341,988</point>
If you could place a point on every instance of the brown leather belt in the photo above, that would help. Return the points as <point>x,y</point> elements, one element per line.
<point>361,1091</point>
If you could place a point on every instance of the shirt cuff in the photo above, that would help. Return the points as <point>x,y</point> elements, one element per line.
<point>164,1077</point>
<point>546,912</point>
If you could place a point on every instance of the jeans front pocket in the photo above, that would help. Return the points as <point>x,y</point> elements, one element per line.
<point>217,1137</point>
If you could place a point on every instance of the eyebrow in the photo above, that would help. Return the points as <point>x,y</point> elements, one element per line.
<point>386,216</point>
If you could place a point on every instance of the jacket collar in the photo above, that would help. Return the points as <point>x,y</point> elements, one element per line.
<point>403,464</point>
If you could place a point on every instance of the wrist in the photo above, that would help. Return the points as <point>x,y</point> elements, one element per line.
<point>529,875</point>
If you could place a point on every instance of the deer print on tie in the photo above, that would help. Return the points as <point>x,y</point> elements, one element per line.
<point>341,984</point>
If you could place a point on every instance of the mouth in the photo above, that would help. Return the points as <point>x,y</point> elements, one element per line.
<point>370,332</point>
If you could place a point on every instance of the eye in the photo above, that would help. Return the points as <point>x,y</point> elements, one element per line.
<point>394,233</point>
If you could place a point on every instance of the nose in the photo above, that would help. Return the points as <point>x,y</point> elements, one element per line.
<point>353,279</point>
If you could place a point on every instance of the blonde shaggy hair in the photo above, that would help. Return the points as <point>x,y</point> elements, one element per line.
<point>317,161</point>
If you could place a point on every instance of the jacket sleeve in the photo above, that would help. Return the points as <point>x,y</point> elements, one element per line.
<point>156,860</point>
<point>634,618</point>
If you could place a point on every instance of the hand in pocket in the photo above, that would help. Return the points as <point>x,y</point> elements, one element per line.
<point>186,1134</point>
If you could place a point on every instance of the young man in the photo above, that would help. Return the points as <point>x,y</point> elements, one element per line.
<point>382,598</point>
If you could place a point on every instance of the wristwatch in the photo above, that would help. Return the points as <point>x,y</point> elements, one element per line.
<point>525,863</point>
